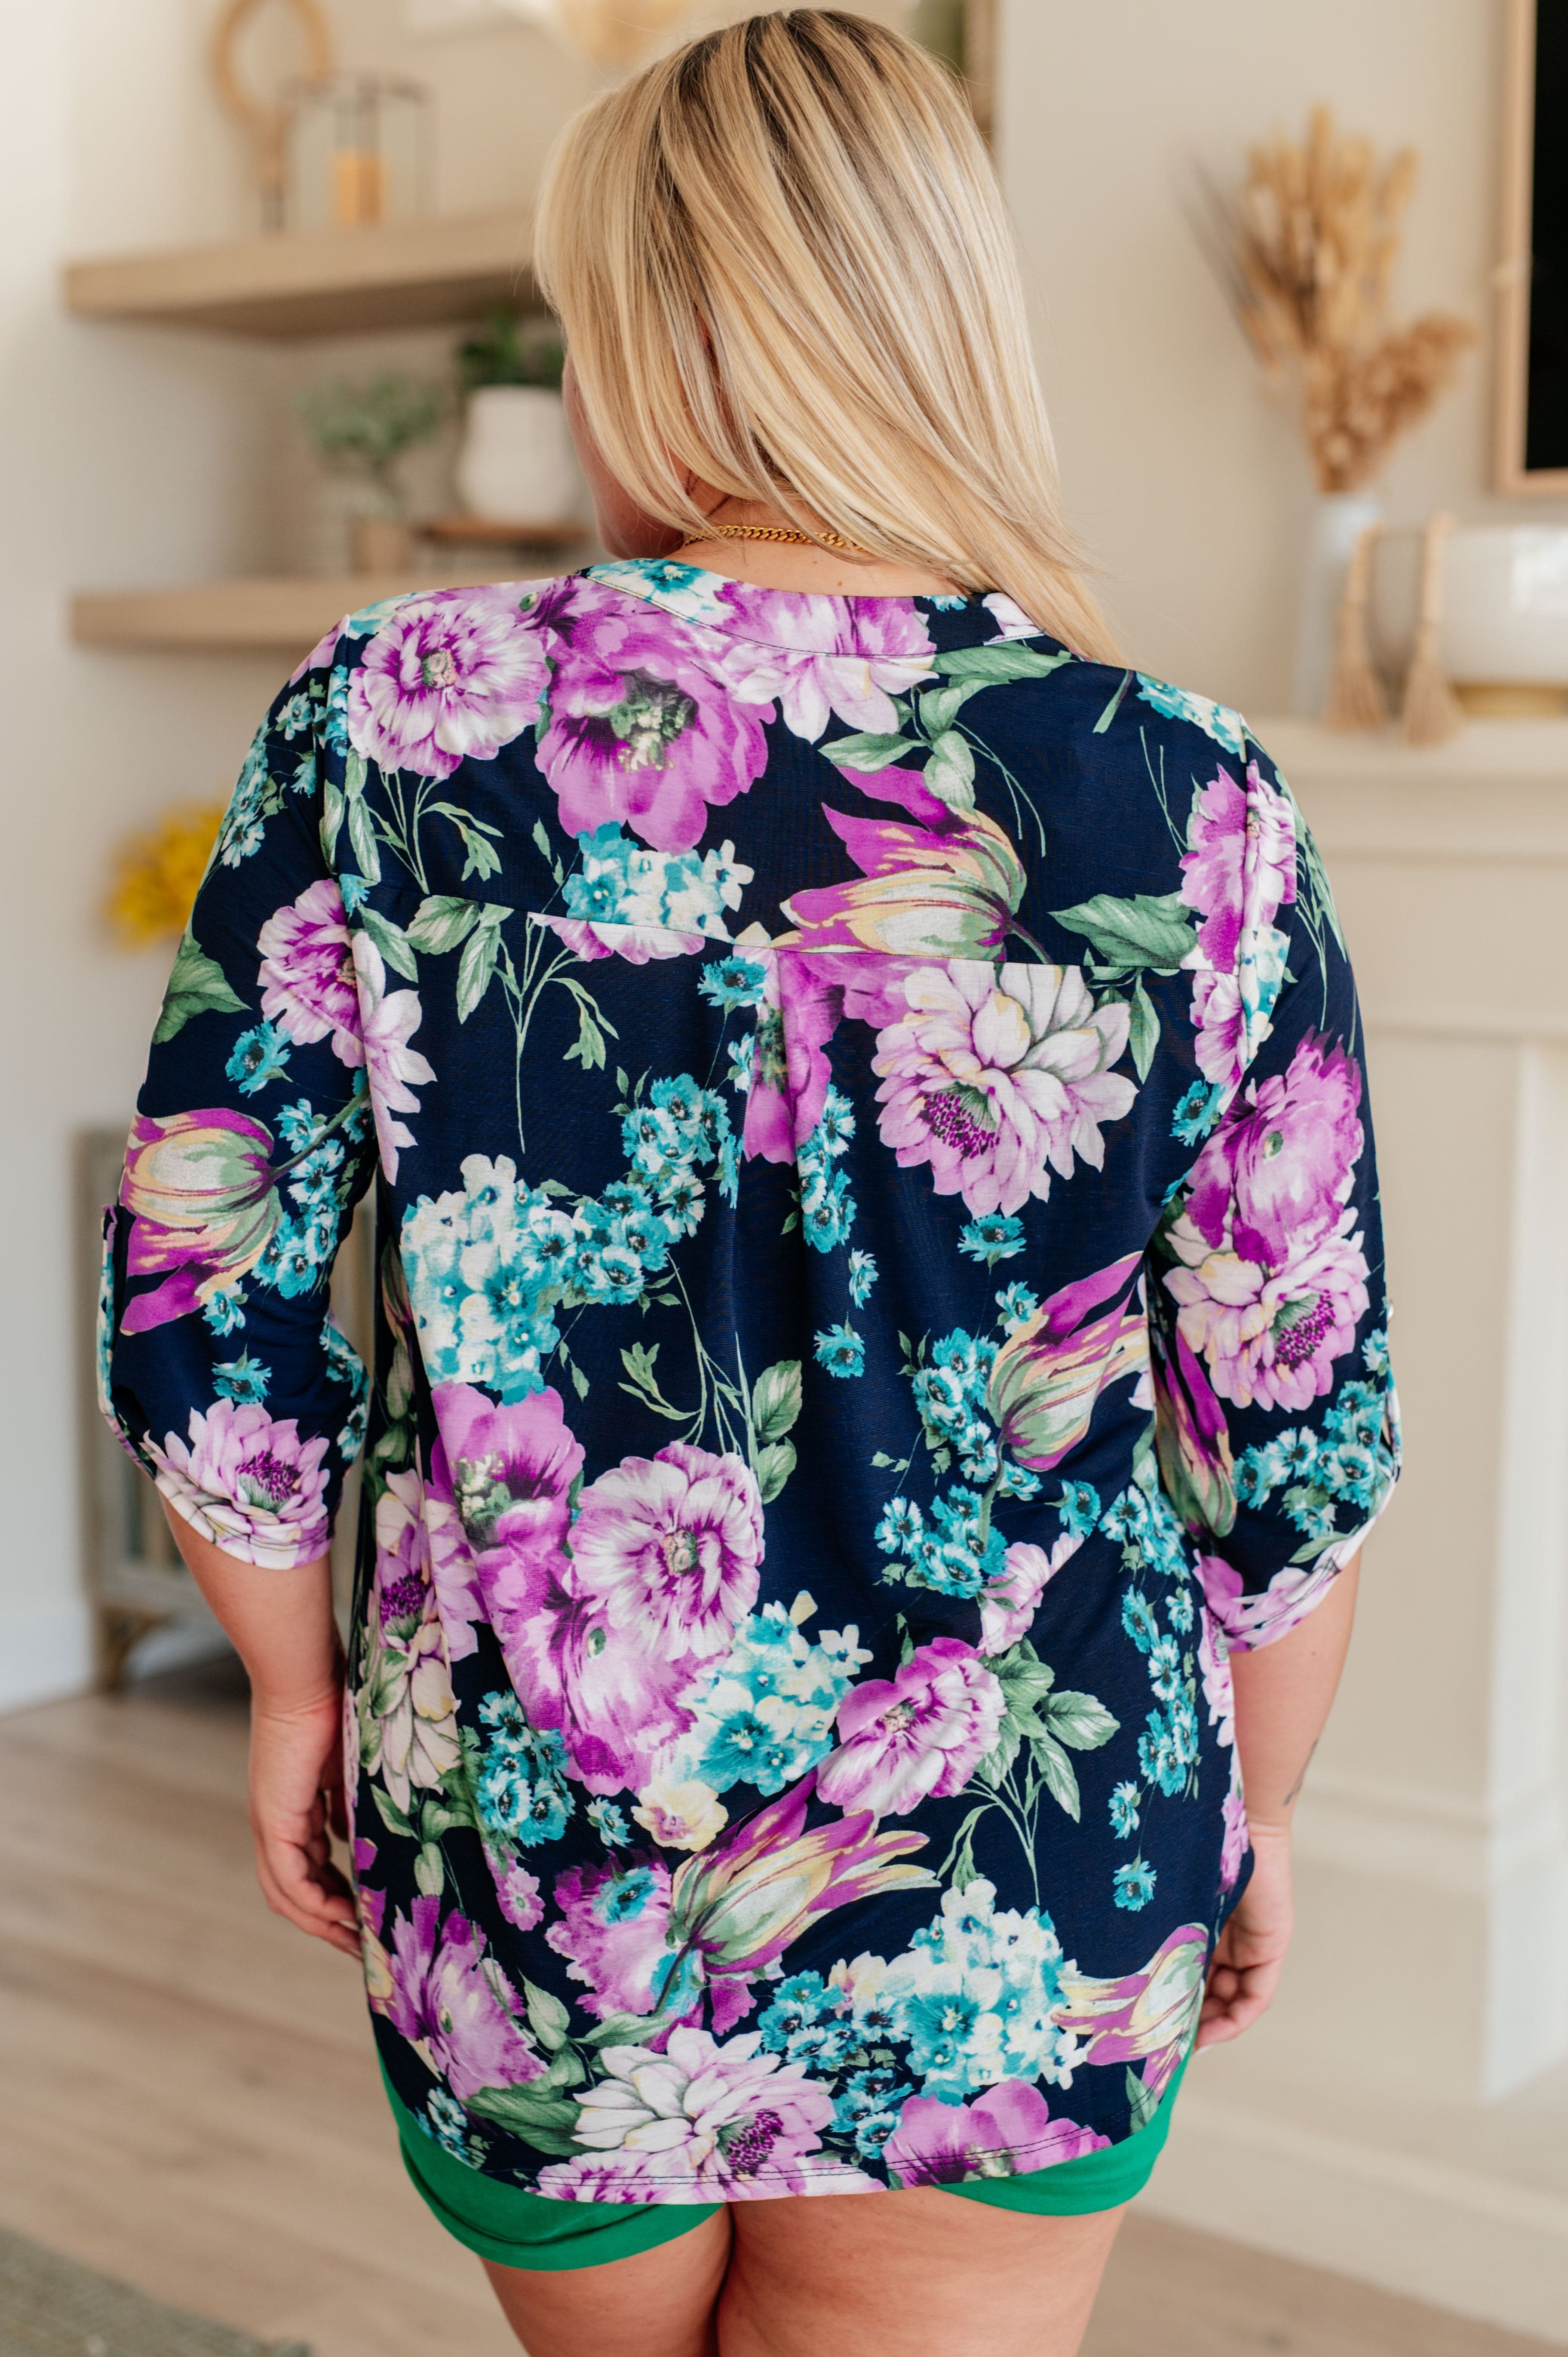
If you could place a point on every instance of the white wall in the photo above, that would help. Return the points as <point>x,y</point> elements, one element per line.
<point>1184,477</point>
<point>133,457</point>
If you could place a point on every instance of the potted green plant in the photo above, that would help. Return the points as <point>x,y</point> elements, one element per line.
<point>517,464</point>
<point>360,432</point>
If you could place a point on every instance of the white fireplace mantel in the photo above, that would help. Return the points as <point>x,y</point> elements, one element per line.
<point>1403,2111</point>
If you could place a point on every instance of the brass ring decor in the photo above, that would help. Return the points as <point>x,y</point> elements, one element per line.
<point>267,124</point>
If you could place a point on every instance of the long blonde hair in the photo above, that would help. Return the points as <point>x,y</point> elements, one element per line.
<point>783,265</point>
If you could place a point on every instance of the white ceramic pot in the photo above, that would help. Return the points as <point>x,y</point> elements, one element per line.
<point>1338,520</point>
<point>1505,604</point>
<point>517,464</point>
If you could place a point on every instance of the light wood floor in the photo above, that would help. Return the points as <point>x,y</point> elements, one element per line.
<point>191,2102</point>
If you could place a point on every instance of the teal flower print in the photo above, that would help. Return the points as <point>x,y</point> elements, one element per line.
<point>1078,1507</point>
<point>861,1278</point>
<point>994,1236</point>
<point>1125,1811</point>
<point>1138,1619</point>
<point>259,1057</point>
<point>1017,1305</point>
<point>733,982</point>
<point>842,1351</point>
<point>901,1528</point>
<point>1134,1886</point>
<point>1196,1112</point>
<point>241,1379</point>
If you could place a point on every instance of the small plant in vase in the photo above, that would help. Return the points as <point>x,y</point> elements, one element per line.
<point>517,464</point>
<point>360,432</point>
<point>1306,249</point>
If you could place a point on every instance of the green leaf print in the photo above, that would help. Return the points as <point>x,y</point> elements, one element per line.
<point>430,1870</point>
<point>1080,1720</point>
<point>869,751</point>
<point>773,1468</point>
<point>391,941</point>
<point>1144,1030</point>
<point>949,772</point>
<point>1058,1774</point>
<point>476,965</point>
<point>534,2111</point>
<point>391,1815</point>
<point>441,921</point>
<point>998,660</point>
<point>196,986</point>
<point>1141,2102</point>
<point>547,2017</point>
<point>1144,930</point>
<point>776,1399</point>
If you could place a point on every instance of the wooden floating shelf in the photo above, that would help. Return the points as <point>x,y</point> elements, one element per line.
<point>269,615</point>
<point>316,282</point>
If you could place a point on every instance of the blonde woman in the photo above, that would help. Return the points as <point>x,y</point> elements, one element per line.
<point>880,1376</point>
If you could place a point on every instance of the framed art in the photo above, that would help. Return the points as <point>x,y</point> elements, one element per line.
<point>1532,276</point>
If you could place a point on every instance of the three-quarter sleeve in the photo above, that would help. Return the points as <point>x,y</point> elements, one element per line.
<point>220,1368</point>
<point>1277,1420</point>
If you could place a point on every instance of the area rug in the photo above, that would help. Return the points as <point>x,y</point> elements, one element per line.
<point>51,2307</point>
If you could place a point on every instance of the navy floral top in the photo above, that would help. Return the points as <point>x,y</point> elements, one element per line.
<point>880,1289</point>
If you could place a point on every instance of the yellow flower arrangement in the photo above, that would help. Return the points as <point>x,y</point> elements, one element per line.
<point>158,873</point>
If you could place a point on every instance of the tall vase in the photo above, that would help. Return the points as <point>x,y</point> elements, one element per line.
<point>1339,519</point>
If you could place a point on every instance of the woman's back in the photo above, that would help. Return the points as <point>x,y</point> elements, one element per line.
<point>816,1046</point>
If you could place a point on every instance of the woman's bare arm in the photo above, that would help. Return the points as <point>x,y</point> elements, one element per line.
<point>1283,1693</point>
<point>281,1625</point>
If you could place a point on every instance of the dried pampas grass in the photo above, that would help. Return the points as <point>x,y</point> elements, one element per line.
<point>1306,251</point>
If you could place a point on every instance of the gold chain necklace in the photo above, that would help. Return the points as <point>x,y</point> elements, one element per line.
<point>774,531</point>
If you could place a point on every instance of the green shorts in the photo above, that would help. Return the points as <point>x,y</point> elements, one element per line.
<point>517,2229</point>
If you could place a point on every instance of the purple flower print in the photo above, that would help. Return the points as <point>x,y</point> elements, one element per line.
<point>858,655</point>
<point>996,1076</point>
<point>1006,2132</point>
<point>670,1545</point>
<point>708,2122</point>
<point>446,2000</point>
<point>616,1701</point>
<point>249,1484</point>
<point>308,972</point>
<point>507,1470</point>
<point>1270,1335</point>
<point>1240,867</point>
<point>613,1926</point>
<point>1281,1162</point>
<point>638,944</point>
<point>735,1908</point>
<point>604,2177</point>
<point>1146,2016</point>
<point>388,1018</point>
<point>947,888</point>
<point>1251,1621</point>
<point>1238,873</point>
<point>640,733</point>
<point>1237,1838</point>
<point>918,1736</point>
<point>405,1707</point>
<point>1008,1605</point>
<point>603,1640</point>
<point>1214,1669</point>
<point>1193,1440</point>
<point>448,677</point>
<point>518,1893</point>
<point>205,1208</point>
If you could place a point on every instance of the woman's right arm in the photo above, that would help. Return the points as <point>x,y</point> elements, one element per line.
<point>1283,1693</point>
